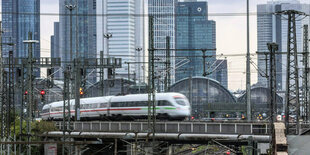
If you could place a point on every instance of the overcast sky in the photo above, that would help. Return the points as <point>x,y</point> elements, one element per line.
<point>230,34</point>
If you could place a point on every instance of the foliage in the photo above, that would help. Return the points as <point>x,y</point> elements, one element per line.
<point>37,129</point>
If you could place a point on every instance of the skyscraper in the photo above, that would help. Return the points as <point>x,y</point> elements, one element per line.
<point>162,12</point>
<point>220,72</point>
<point>55,50</point>
<point>194,31</point>
<point>273,28</point>
<point>121,24</point>
<point>83,27</point>
<point>141,39</point>
<point>19,17</point>
<point>124,20</point>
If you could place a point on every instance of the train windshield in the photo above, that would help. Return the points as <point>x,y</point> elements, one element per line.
<point>181,100</point>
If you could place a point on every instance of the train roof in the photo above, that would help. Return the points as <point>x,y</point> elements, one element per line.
<point>83,100</point>
<point>133,97</point>
<point>107,98</point>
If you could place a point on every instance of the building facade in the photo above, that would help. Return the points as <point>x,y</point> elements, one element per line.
<point>162,12</point>
<point>220,72</point>
<point>194,31</point>
<point>125,21</point>
<point>20,17</point>
<point>55,50</point>
<point>83,30</point>
<point>273,28</point>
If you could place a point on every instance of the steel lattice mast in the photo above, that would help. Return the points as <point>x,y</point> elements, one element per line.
<point>292,106</point>
<point>305,74</point>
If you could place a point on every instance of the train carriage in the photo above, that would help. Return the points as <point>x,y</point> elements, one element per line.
<point>168,106</point>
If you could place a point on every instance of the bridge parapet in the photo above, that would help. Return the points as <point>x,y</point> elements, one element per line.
<point>173,127</point>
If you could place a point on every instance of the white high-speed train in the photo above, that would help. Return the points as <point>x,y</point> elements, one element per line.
<point>168,106</point>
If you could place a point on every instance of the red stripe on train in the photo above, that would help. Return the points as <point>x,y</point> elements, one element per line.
<point>95,110</point>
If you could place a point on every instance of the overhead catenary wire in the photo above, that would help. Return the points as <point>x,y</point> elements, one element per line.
<point>229,14</point>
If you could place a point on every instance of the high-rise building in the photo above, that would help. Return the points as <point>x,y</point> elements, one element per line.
<point>273,28</point>
<point>141,39</point>
<point>83,26</point>
<point>19,17</point>
<point>194,31</point>
<point>55,50</point>
<point>124,20</point>
<point>121,24</point>
<point>220,72</point>
<point>163,12</point>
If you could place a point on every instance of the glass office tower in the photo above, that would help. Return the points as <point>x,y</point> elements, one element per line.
<point>19,17</point>
<point>194,31</point>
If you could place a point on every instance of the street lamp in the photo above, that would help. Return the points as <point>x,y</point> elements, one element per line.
<point>108,36</point>
<point>139,73</point>
<point>70,7</point>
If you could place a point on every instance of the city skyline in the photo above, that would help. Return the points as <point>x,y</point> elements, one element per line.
<point>227,44</point>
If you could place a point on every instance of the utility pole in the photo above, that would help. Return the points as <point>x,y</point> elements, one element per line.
<point>248,69</point>
<point>108,36</point>
<point>292,81</point>
<point>102,73</point>
<point>66,109</point>
<point>4,113</point>
<point>23,99</point>
<point>167,77</point>
<point>128,69</point>
<point>11,99</point>
<point>71,7</point>
<point>272,47</point>
<point>139,72</point>
<point>204,62</point>
<point>77,87</point>
<point>1,85</point>
<point>151,84</point>
<point>77,68</point>
<point>3,117</point>
<point>306,74</point>
<point>30,88</point>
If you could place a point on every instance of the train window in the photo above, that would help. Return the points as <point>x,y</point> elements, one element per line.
<point>132,104</point>
<point>97,105</point>
<point>103,105</point>
<point>90,106</point>
<point>57,109</point>
<point>93,105</point>
<point>45,110</point>
<point>180,101</point>
<point>141,103</point>
<point>85,106</point>
<point>122,104</point>
<point>164,103</point>
<point>114,104</point>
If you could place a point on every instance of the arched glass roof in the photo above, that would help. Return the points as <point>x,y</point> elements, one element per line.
<point>260,99</point>
<point>203,90</point>
<point>202,93</point>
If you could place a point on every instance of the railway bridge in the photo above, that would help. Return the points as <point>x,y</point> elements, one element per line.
<point>169,132</point>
